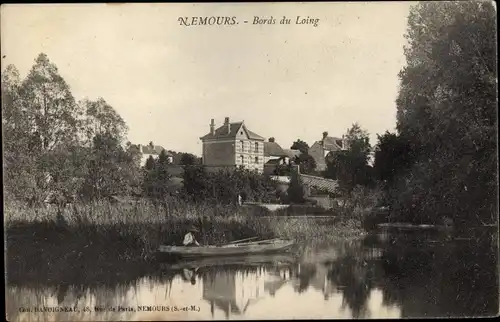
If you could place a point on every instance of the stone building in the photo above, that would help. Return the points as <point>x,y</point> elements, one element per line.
<point>232,145</point>
<point>325,147</point>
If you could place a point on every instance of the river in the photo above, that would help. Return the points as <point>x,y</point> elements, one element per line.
<point>351,279</point>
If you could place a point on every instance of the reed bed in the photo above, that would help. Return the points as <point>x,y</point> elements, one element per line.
<point>310,229</point>
<point>102,237</point>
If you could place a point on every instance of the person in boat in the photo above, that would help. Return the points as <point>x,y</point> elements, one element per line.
<point>190,239</point>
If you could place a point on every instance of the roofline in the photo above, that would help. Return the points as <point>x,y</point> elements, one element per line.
<point>227,138</point>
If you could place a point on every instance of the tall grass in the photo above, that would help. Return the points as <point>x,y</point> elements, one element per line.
<point>101,237</point>
<point>141,225</point>
<point>105,240</point>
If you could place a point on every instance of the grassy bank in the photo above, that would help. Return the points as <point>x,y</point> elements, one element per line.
<point>96,238</point>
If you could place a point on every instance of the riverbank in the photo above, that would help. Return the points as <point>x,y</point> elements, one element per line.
<point>102,237</point>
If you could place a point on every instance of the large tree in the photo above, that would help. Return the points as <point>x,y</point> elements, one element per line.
<point>392,156</point>
<point>111,169</point>
<point>49,104</point>
<point>20,168</point>
<point>101,118</point>
<point>53,146</point>
<point>42,118</point>
<point>350,166</point>
<point>304,159</point>
<point>447,106</point>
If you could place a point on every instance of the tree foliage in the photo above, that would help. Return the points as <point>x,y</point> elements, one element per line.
<point>295,190</point>
<point>111,169</point>
<point>300,145</point>
<point>393,155</point>
<point>52,145</point>
<point>49,105</point>
<point>224,186</point>
<point>350,167</point>
<point>187,159</point>
<point>447,109</point>
<point>101,118</point>
<point>304,160</point>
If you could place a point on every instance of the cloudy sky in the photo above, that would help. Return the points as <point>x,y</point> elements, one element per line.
<point>167,81</point>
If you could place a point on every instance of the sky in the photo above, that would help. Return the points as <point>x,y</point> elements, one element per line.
<point>168,81</point>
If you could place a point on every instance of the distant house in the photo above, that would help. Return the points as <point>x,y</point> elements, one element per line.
<point>232,145</point>
<point>326,147</point>
<point>274,155</point>
<point>151,150</point>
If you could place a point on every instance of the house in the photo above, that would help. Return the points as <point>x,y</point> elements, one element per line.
<point>325,148</point>
<point>274,156</point>
<point>151,150</point>
<point>232,145</point>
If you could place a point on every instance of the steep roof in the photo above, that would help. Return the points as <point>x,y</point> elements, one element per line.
<point>254,135</point>
<point>273,149</point>
<point>222,133</point>
<point>319,183</point>
<point>292,153</point>
<point>331,143</point>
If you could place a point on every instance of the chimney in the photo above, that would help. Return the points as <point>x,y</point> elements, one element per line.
<point>212,127</point>
<point>271,139</point>
<point>325,134</point>
<point>226,123</point>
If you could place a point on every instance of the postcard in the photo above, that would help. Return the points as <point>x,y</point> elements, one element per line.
<point>236,161</point>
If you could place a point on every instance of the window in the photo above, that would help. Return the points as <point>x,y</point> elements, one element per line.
<point>242,145</point>
<point>256,159</point>
<point>242,158</point>
<point>256,146</point>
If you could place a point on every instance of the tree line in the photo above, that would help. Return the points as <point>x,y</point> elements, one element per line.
<point>442,159</point>
<point>443,162</point>
<point>54,143</point>
<point>57,150</point>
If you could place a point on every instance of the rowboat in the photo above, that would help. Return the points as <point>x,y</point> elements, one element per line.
<point>257,247</point>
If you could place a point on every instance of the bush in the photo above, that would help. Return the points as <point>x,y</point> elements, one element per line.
<point>224,186</point>
<point>296,189</point>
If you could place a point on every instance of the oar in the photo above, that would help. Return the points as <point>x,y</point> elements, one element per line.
<point>241,240</point>
<point>255,243</point>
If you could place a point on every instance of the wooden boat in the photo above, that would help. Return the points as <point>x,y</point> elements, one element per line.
<point>258,247</point>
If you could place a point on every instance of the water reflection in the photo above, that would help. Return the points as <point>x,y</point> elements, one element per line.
<point>361,279</point>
